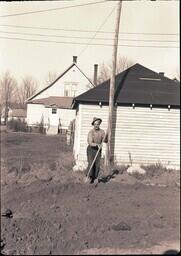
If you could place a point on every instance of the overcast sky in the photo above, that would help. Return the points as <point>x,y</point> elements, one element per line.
<point>149,35</point>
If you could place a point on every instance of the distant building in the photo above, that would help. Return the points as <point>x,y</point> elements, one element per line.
<point>52,106</point>
<point>146,119</point>
<point>15,111</point>
<point>18,114</point>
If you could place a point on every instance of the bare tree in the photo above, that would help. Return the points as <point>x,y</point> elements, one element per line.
<point>105,70</point>
<point>27,88</point>
<point>1,108</point>
<point>123,63</point>
<point>51,77</point>
<point>8,92</point>
<point>104,73</point>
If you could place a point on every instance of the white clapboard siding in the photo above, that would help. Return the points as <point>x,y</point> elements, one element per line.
<point>146,135</point>
<point>76,146</point>
<point>35,113</point>
<point>150,135</point>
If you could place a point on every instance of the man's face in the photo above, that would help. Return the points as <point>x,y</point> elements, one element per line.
<point>96,125</point>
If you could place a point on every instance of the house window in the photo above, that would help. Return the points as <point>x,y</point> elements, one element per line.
<point>54,110</point>
<point>73,89</point>
<point>70,89</point>
<point>66,93</point>
<point>66,89</point>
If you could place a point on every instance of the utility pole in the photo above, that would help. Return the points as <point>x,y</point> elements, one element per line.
<point>112,90</point>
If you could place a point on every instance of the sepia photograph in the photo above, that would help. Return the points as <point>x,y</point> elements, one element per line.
<point>90,127</point>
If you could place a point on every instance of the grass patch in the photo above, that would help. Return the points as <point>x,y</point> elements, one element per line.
<point>138,176</point>
<point>23,152</point>
<point>155,170</point>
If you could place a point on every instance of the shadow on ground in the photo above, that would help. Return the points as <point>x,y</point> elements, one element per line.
<point>105,179</point>
<point>171,252</point>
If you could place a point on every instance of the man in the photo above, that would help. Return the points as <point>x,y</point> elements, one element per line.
<point>95,138</point>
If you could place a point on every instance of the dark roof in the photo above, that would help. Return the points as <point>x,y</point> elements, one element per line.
<point>135,85</point>
<point>60,102</point>
<point>72,65</point>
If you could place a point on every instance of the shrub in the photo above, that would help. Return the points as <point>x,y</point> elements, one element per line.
<point>41,128</point>
<point>17,125</point>
<point>37,128</point>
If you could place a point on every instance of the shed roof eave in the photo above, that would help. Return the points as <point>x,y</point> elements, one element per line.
<point>142,104</point>
<point>77,102</point>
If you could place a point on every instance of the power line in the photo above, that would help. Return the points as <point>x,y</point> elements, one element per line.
<point>53,9</point>
<point>91,31</point>
<point>97,31</point>
<point>79,43</point>
<point>95,38</point>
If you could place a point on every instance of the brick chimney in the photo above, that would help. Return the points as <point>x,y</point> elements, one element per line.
<point>95,74</point>
<point>161,73</point>
<point>74,59</point>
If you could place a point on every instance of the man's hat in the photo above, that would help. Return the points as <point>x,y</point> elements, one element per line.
<point>96,119</point>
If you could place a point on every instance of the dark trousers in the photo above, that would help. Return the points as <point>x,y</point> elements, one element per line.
<point>91,152</point>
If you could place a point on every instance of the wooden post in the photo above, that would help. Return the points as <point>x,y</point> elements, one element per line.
<point>112,91</point>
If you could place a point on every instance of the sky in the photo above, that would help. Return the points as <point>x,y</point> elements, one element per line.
<point>36,40</point>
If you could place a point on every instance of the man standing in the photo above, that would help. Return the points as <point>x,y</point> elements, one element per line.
<point>95,138</point>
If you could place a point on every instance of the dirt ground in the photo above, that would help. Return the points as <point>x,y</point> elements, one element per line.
<point>54,212</point>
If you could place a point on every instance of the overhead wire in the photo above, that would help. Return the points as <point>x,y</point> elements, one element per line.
<point>88,43</point>
<point>91,31</point>
<point>51,9</point>
<point>81,43</point>
<point>79,37</point>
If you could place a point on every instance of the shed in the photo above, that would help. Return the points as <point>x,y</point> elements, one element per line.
<point>146,118</point>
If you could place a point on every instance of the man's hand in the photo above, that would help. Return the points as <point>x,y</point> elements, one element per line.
<point>98,145</point>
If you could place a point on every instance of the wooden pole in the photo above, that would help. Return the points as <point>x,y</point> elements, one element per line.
<point>112,90</point>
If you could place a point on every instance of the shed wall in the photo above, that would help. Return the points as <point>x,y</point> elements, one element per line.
<point>146,135</point>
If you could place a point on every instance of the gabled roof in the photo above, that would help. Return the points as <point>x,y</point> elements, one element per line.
<point>60,102</point>
<point>135,85</point>
<point>74,64</point>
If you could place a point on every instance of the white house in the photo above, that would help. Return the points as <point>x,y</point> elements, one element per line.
<point>146,119</point>
<point>51,106</point>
